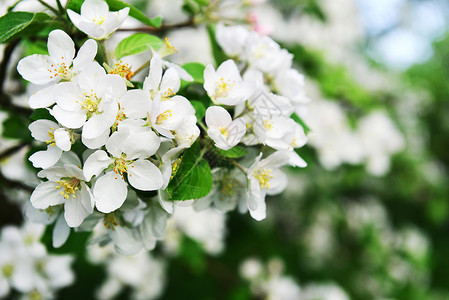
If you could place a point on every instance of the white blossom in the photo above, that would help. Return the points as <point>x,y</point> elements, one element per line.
<point>96,20</point>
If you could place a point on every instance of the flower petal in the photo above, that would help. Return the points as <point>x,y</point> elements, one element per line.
<point>43,98</point>
<point>61,232</point>
<point>62,139</point>
<point>217,116</point>
<point>46,195</point>
<point>141,145</point>
<point>69,119</point>
<point>35,69</point>
<point>61,47</point>
<point>85,55</point>
<point>40,129</point>
<point>145,176</point>
<point>47,158</point>
<point>109,192</point>
<point>74,212</point>
<point>96,163</point>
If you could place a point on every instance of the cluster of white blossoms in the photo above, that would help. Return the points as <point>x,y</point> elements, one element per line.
<point>375,139</point>
<point>269,282</point>
<point>141,272</point>
<point>27,269</point>
<point>130,136</point>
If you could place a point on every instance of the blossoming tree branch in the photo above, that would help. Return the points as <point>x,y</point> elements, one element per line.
<point>123,144</point>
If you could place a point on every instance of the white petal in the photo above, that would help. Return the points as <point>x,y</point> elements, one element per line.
<point>35,69</point>
<point>69,119</point>
<point>96,163</point>
<point>62,139</point>
<point>74,17</point>
<point>114,143</point>
<point>109,192</point>
<point>96,142</point>
<point>69,96</point>
<point>278,183</point>
<point>170,82</point>
<point>135,104</point>
<point>86,198</point>
<point>74,212</point>
<point>145,176</point>
<point>96,126</point>
<point>217,116</point>
<point>260,212</point>
<point>209,80</point>
<point>126,240</point>
<point>141,145</point>
<point>85,55</point>
<point>47,158</point>
<point>154,78</point>
<point>46,195</point>
<point>61,47</point>
<point>61,232</point>
<point>40,129</point>
<point>43,98</point>
<point>94,8</point>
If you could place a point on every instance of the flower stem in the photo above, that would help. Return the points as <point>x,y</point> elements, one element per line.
<point>54,10</point>
<point>103,50</point>
<point>242,168</point>
<point>140,69</point>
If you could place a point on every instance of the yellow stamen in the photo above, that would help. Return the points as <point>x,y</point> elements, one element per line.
<point>263,176</point>
<point>70,187</point>
<point>51,134</point>
<point>268,124</point>
<point>122,69</point>
<point>110,221</point>
<point>164,116</point>
<point>223,87</point>
<point>7,270</point>
<point>224,130</point>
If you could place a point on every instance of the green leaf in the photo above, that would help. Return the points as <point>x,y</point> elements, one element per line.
<point>234,152</point>
<point>200,109</point>
<point>218,53</point>
<point>193,180</point>
<point>196,70</point>
<point>300,121</point>
<point>137,43</point>
<point>41,113</point>
<point>16,24</point>
<point>115,5</point>
<point>35,47</point>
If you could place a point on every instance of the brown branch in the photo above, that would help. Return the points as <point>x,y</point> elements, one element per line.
<point>15,184</point>
<point>163,28</point>
<point>12,150</point>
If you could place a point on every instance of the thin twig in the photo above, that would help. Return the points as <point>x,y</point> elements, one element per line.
<point>54,10</point>
<point>142,67</point>
<point>166,27</point>
<point>15,184</point>
<point>12,150</point>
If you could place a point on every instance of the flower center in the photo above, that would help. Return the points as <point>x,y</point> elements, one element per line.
<point>99,20</point>
<point>70,187</point>
<point>164,116</point>
<point>90,104</point>
<point>110,221</point>
<point>60,70</point>
<point>122,69</point>
<point>224,130</point>
<point>166,49</point>
<point>7,270</point>
<point>268,124</point>
<point>263,176</point>
<point>121,165</point>
<point>223,87</point>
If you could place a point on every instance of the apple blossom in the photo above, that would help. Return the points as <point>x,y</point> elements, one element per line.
<point>225,132</point>
<point>96,20</point>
